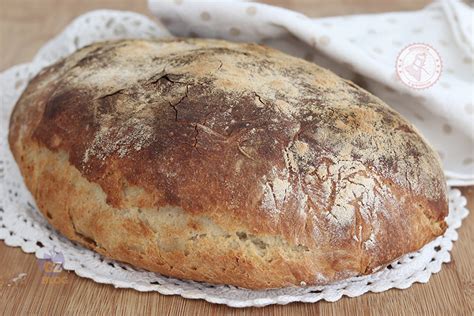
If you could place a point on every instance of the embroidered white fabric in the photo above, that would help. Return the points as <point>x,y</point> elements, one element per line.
<point>21,225</point>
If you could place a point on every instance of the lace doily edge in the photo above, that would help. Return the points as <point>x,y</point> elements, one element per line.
<point>423,277</point>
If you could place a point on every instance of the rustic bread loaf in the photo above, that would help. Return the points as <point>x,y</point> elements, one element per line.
<point>225,163</point>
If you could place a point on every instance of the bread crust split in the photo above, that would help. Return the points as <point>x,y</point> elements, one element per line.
<point>225,163</point>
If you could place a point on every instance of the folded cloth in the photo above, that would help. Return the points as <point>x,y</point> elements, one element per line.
<point>376,51</point>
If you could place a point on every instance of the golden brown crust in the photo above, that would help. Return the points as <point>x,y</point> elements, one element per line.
<point>226,163</point>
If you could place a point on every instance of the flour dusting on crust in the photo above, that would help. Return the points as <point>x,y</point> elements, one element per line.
<point>119,140</point>
<point>283,157</point>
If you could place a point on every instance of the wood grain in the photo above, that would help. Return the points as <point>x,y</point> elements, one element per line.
<point>24,27</point>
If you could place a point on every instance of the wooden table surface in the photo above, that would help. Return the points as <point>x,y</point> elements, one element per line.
<point>24,27</point>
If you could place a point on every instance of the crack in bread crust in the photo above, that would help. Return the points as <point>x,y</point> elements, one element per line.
<point>312,178</point>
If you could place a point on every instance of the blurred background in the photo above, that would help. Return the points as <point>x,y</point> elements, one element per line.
<point>31,22</point>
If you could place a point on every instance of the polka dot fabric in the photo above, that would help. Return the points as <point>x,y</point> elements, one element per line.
<point>364,49</point>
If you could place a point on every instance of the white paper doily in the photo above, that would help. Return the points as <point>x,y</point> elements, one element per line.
<point>21,225</point>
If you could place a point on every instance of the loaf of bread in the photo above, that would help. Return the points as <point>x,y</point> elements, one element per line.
<point>226,163</point>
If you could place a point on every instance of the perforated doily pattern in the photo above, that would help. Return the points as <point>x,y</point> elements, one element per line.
<point>21,225</point>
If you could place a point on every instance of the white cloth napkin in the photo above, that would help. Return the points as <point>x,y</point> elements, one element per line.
<point>364,49</point>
